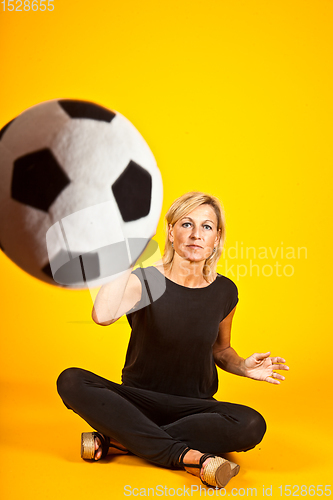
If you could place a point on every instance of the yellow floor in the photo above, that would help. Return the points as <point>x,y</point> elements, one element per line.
<point>40,456</point>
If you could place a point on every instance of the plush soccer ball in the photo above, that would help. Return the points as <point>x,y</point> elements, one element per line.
<point>80,192</point>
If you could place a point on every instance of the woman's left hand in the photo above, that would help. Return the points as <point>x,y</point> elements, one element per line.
<point>260,366</point>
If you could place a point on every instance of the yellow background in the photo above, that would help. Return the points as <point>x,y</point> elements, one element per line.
<point>234,98</point>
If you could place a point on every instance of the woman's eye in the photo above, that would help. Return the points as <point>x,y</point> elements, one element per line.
<point>188,224</point>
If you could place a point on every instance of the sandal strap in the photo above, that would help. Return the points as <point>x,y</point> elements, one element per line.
<point>196,466</point>
<point>105,443</point>
<point>204,458</point>
<point>183,453</point>
<point>181,460</point>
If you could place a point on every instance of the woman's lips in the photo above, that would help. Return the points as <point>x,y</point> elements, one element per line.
<point>194,246</point>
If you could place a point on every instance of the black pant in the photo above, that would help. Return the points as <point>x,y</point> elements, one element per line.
<point>157,426</point>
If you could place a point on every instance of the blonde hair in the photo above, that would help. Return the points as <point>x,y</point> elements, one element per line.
<point>181,207</point>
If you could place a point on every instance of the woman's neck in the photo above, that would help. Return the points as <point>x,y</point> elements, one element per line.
<point>187,273</point>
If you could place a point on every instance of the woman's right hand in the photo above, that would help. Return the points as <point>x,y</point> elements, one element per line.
<point>260,366</point>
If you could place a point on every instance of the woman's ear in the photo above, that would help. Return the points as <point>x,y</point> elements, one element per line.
<point>218,236</point>
<point>170,232</point>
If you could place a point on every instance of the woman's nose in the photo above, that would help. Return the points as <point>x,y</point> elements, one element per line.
<point>196,232</point>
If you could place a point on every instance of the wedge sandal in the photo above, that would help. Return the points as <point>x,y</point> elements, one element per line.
<point>217,472</point>
<point>88,445</point>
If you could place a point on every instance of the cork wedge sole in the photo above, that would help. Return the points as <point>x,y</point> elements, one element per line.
<point>217,472</point>
<point>88,445</point>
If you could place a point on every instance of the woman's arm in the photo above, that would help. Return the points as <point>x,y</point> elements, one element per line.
<point>116,298</point>
<point>259,366</point>
<point>225,356</point>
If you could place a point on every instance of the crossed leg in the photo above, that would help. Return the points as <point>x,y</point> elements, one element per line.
<point>159,427</point>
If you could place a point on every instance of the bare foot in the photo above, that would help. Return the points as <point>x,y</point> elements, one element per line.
<point>112,450</point>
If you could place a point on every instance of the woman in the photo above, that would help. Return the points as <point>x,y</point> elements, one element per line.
<point>181,313</point>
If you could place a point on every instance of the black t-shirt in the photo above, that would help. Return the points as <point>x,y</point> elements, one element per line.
<point>173,331</point>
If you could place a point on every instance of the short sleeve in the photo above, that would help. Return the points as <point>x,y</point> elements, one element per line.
<point>145,293</point>
<point>231,298</point>
<point>152,284</point>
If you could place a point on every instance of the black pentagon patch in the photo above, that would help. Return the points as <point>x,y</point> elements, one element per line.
<point>3,130</point>
<point>47,270</point>
<point>83,268</point>
<point>78,270</point>
<point>132,191</point>
<point>85,109</point>
<point>1,248</point>
<point>38,179</point>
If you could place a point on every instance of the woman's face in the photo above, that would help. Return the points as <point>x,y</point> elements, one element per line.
<point>195,235</point>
